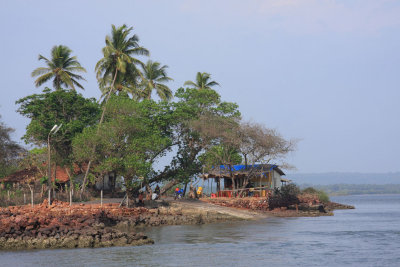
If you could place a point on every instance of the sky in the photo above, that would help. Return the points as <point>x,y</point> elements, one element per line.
<point>325,72</point>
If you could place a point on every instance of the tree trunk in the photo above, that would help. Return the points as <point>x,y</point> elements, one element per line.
<point>184,189</point>
<point>168,186</point>
<point>97,132</point>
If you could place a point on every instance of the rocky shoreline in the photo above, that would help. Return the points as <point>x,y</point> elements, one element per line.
<point>308,206</point>
<point>61,226</point>
<point>91,225</point>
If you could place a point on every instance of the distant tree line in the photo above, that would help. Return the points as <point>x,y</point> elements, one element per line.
<point>357,189</point>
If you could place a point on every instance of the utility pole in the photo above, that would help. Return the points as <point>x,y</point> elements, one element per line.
<point>53,130</point>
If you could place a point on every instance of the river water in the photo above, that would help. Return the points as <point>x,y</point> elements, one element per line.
<point>366,236</point>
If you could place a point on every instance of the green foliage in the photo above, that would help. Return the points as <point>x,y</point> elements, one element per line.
<point>9,151</point>
<point>131,137</point>
<point>202,81</point>
<point>118,59</point>
<point>154,77</point>
<point>43,180</point>
<point>61,68</point>
<point>322,195</point>
<point>289,191</point>
<point>193,103</point>
<point>65,107</point>
<point>220,155</point>
<point>359,189</point>
<point>284,196</point>
<point>193,106</point>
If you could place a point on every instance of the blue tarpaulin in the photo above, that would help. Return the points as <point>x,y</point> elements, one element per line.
<point>243,167</point>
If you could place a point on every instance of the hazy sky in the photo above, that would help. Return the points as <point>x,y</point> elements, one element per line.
<point>324,71</point>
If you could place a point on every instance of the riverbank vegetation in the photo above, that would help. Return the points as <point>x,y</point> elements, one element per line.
<point>127,131</point>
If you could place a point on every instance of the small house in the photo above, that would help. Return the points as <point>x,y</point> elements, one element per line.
<point>258,176</point>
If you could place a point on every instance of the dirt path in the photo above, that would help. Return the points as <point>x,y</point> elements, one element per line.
<point>198,206</point>
<point>208,207</point>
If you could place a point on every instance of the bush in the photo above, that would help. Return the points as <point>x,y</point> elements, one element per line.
<point>285,196</point>
<point>290,191</point>
<point>322,195</point>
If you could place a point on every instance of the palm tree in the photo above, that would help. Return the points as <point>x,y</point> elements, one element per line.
<point>61,68</point>
<point>117,69</point>
<point>202,81</point>
<point>154,75</point>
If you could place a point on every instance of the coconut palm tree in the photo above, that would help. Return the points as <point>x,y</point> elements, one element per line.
<point>154,75</point>
<point>61,68</point>
<point>202,81</point>
<point>117,69</point>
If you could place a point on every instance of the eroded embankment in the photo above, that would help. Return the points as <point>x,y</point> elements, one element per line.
<point>62,226</point>
<point>89,225</point>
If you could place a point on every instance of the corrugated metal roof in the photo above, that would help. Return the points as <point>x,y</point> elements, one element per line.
<point>241,169</point>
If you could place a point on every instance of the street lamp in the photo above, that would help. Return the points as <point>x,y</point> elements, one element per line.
<point>52,131</point>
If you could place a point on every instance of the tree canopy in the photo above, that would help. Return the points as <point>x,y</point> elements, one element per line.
<point>65,107</point>
<point>202,81</point>
<point>62,68</point>
<point>118,67</point>
<point>154,77</point>
<point>9,150</point>
<point>129,132</point>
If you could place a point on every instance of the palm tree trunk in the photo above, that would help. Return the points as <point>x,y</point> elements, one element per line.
<point>97,132</point>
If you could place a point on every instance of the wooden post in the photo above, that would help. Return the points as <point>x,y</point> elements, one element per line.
<point>32,197</point>
<point>127,201</point>
<point>24,198</point>
<point>8,195</point>
<point>49,196</point>
<point>101,198</point>
<point>70,197</point>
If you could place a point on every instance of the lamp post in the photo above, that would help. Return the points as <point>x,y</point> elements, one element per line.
<point>52,131</point>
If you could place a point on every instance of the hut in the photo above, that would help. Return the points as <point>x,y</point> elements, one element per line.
<point>32,175</point>
<point>260,177</point>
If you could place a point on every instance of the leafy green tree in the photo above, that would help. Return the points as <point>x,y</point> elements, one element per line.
<point>118,67</point>
<point>189,144</point>
<point>131,137</point>
<point>154,77</point>
<point>62,68</point>
<point>220,155</point>
<point>9,151</point>
<point>65,107</point>
<point>202,81</point>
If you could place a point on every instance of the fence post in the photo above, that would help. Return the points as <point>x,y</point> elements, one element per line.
<point>32,198</point>
<point>8,195</point>
<point>70,198</point>
<point>101,198</point>
<point>24,198</point>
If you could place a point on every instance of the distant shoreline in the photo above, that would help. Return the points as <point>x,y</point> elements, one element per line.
<point>357,189</point>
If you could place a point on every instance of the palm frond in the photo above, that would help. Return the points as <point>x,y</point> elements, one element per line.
<point>40,71</point>
<point>44,78</point>
<point>190,83</point>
